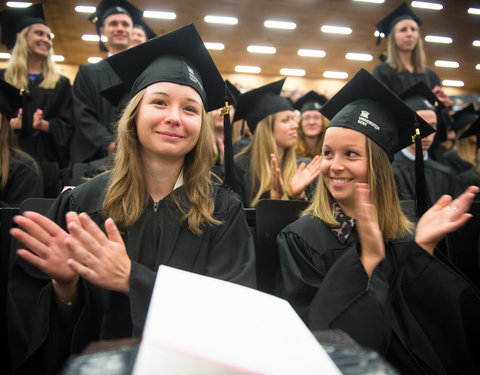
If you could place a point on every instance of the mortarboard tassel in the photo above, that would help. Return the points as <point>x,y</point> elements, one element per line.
<point>228,148</point>
<point>422,203</point>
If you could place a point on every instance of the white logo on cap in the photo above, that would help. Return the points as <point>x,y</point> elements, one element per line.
<point>363,120</point>
<point>191,75</point>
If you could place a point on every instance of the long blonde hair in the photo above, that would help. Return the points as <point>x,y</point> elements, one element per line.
<point>302,149</point>
<point>127,196</point>
<point>258,151</point>
<point>391,220</point>
<point>16,72</point>
<point>418,54</point>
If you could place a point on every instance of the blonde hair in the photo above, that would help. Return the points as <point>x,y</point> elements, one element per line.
<point>391,220</point>
<point>16,72</point>
<point>302,149</point>
<point>418,54</point>
<point>127,196</point>
<point>258,151</point>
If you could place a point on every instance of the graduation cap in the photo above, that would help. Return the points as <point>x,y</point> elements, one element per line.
<point>311,101</point>
<point>464,117</point>
<point>233,92</point>
<point>474,129</point>
<point>11,99</point>
<point>258,103</point>
<point>420,97</point>
<point>14,20</point>
<point>366,105</point>
<point>402,12</point>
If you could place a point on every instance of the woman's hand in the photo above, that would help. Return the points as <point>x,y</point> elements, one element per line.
<point>101,259</point>
<point>371,238</point>
<point>444,217</point>
<point>16,122</point>
<point>438,91</point>
<point>39,123</point>
<point>304,176</point>
<point>278,188</point>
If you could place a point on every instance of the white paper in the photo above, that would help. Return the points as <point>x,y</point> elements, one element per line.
<point>201,325</point>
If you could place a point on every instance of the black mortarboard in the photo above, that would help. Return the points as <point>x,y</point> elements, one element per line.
<point>366,105</point>
<point>10,99</point>
<point>420,97</point>
<point>402,12</point>
<point>258,103</point>
<point>14,20</point>
<point>311,101</point>
<point>464,117</point>
<point>180,57</point>
<point>233,92</point>
<point>474,129</point>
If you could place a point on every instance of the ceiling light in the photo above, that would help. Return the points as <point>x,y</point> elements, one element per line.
<point>93,38</point>
<point>58,58</point>
<point>93,60</point>
<point>292,72</point>
<point>247,69</point>
<point>477,66</point>
<point>214,46</point>
<point>474,11</point>
<point>453,83</point>
<point>438,39</point>
<point>159,15</point>
<point>261,49</point>
<point>425,5</point>
<point>476,43</point>
<point>221,19</point>
<point>378,34</point>
<point>359,56</point>
<point>339,75</point>
<point>336,29</point>
<point>311,52</point>
<point>371,1</point>
<point>272,24</point>
<point>447,64</point>
<point>84,9</point>
<point>5,55</point>
<point>18,4</point>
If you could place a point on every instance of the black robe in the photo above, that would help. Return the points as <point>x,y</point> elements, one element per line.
<point>95,116</point>
<point>455,162</point>
<point>415,310</point>
<point>440,179</point>
<point>56,104</point>
<point>38,341</point>
<point>24,181</point>
<point>397,82</point>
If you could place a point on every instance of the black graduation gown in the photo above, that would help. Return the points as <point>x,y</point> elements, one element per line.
<point>56,104</point>
<point>39,343</point>
<point>415,310</point>
<point>397,82</point>
<point>440,179</point>
<point>24,181</point>
<point>95,116</point>
<point>455,162</point>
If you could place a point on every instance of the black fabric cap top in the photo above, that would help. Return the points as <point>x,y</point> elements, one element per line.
<point>311,101</point>
<point>10,99</point>
<point>14,20</point>
<point>108,7</point>
<point>254,105</point>
<point>366,105</point>
<point>474,129</point>
<point>464,117</point>
<point>402,12</point>
<point>234,93</point>
<point>179,57</point>
<point>420,97</point>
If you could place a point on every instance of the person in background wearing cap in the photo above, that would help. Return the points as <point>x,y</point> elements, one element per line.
<point>267,167</point>
<point>141,33</point>
<point>351,261</point>
<point>464,155</point>
<point>440,179</point>
<point>312,124</point>
<point>95,116</point>
<point>20,176</point>
<point>159,205</point>
<point>44,125</point>
<point>405,62</point>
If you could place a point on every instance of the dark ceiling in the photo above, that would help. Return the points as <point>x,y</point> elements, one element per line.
<point>309,15</point>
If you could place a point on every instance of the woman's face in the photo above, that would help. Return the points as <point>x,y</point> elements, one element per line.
<point>169,120</point>
<point>312,123</point>
<point>405,34</point>
<point>285,129</point>
<point>344,163</point>
<point>39,39</point>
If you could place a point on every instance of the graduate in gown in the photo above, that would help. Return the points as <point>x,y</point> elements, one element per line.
<point>44,124</point>
<point>268,166</point>
<point>440,179</point>
<point>351,262</point>
<point>20,176</point>
<point>92,266</point>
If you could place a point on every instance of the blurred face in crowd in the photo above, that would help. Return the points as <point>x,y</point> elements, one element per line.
<point>312,123</point>
<point>39,39</point>
<point>285,129</point>
<point>405,34</point>
<point>430,117</point>
<point>118,30</point>
<point>138,37</point>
